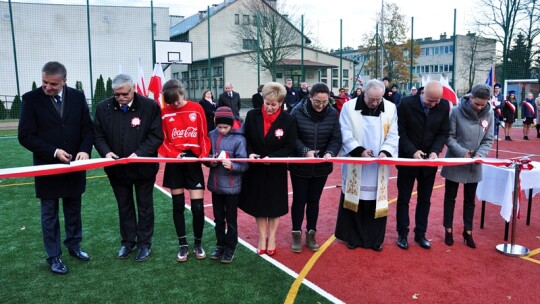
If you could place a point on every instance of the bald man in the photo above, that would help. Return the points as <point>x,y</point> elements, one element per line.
<point>423,125</point>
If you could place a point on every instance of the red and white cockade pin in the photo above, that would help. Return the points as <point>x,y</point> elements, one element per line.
<point>279,133</point>
<point>484,123</point>
<point>135,122</point>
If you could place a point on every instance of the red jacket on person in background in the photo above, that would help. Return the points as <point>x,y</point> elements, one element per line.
<point>184,129</point>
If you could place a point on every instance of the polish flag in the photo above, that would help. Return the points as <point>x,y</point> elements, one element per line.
<point>141,87</point>
<point>448,92</point>
<point>156,84</point>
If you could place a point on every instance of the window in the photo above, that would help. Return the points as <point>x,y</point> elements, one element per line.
<point>204,72</point>
<point>334,83</point>
<point>441,50</point>
<point>215,83</point>
<point>451,49</point>
<point>218,71</point>
<point>245,19</point>
<point>324,80</point>
<point>221,82</point>
<point>436,51</point>
<point>194,74</point>
<point>250,44</point>
<point>435,69</point>
<point>236,19</point>
<point>254,20</point>
<point>426,51</point>
<point>176,75</point>
<point>450,68</point>
<point>345,73</point>
<point>203,83</point>
<point>185,75</point>
<point>346,83</point>
<point>324,73</point>
<point>335,73</point>
<point>279,75</point>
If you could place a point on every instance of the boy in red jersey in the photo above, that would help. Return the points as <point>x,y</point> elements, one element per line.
<point>184,129</point>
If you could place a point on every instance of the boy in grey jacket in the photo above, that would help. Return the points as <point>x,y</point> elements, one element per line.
<point>224,181</point>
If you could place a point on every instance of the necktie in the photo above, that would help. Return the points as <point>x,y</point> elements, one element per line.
<point>125,108</point>
<point>230,95</point>
<point>58,100</point>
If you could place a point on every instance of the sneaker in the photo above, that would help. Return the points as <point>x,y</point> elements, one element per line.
<point>228,256</point>
<point>182,253</point>
<point>217,253</point>
<point>199,252</point>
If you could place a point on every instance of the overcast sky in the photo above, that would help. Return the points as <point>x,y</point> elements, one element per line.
<point>431,17</point>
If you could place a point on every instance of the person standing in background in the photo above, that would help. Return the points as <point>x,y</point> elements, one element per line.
<point>209,107</point>
<point>304,91</point>
<point>128,125</point>
<point>230,99</point>
<point>528,113</point>
<point>55,125</point>
<point>497,102</point>
<point>509,111</point>
<point>257,99</point>
<point>292,96</point>
<point>537,122</point>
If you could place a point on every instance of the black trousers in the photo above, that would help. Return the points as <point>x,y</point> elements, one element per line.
<point>450,193</point>
<point>50,224</point>
<point>405,183</point>
<point>135,228</point>
<point>225,209</point>
<point>306,195</point>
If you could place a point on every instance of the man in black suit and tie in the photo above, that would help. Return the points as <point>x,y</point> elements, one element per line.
<point>257,100</point>
<point>230,99</point>
<point>423,125</point>
<point>128,125</point>
<point>55,125</point>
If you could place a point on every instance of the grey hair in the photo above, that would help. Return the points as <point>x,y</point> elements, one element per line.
<point>121,80</point>
<point>374,83</point>
<point>274,90</point>
<point>481,90</point>
<point>54,68</point>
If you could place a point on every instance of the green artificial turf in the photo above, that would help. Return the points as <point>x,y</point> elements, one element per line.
<point>25,277</point>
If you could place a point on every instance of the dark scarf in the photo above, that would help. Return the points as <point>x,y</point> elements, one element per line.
<point>312,113</point>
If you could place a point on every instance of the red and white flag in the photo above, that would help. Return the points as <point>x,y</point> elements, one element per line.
<point>448,92</point>
<point>141,87</point>
<point>529,107</point>
<point>156,84</point>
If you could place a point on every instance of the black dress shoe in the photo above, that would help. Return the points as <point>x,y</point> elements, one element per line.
<point>79,254</point>
<point>422,241</point>
<point>124,252</point>
<point>57,266</point>
<point>402,242</point>
<point>351,246</point>
<point>142,254</point>
<point>377,248</point>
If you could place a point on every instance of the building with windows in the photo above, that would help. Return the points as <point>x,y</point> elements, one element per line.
<point>228,60</point>
<point>474,57</point>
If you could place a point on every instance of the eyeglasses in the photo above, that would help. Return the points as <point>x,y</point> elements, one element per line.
<point>319,102</point>
<point>122,94</point>
<point>373,100</point>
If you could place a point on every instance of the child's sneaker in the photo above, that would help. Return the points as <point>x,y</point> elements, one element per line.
<point>182,253</point>
<point>199,252</point>
<point>227,256</point>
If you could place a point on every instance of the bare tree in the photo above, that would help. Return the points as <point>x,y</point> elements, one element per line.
<point>475,51</point>
<point>531,32</point>
<point>271,30</point>
<point>498,19</point>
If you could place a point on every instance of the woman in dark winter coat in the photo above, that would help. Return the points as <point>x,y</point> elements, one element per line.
<point>270,132</point>
<point>319,135</point>
<point>209,107</point>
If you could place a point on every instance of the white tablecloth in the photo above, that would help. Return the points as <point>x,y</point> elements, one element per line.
<point>497,186</point>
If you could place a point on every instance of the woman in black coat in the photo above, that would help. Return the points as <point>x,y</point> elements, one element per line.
<point>270,132</point>
<point>319,135</point>
<point>209,107</point>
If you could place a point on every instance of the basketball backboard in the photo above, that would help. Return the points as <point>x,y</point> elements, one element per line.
<point>173,52</point>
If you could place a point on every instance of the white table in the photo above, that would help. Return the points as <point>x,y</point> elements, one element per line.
<point>497,186</point>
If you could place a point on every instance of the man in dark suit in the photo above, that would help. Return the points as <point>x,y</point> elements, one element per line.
<point>55,125</point>
<point>291,99</point>
<point>303,92</point>
<point>129,125</point>
<point>423,125</point>
<point>230,99</point>
<point>257,100</point>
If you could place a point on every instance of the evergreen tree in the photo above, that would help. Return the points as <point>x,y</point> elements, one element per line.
<point>79,86</point>
<point>3,110</point>
<point>109,87</point>
<point>518,64</point>
<point>99,93</point>
<point>16,107</point>
<point>34,85</point>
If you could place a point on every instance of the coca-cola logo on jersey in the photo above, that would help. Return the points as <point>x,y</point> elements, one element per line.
<point>188,132</point>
